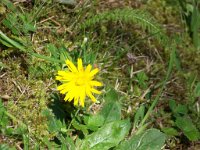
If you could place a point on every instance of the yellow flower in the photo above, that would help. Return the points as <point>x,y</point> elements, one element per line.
<point>77,82</point>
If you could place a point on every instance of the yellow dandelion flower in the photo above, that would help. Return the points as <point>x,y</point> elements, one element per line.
<point>78,83</point>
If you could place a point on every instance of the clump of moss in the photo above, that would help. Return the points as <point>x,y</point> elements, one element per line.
<point>28,106</point>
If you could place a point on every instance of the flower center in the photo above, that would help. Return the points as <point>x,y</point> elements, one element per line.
<point>81,80</point>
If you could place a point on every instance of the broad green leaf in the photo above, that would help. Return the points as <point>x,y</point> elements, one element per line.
<point>172,105</point>
<point>112,95</point>
<point>188,128</point>
<point>151,139</point>
<point>111,110</point>
<point>70,143</point>
<point>49,144</point>
<point>80,127</point>
<point>94,122</point>
<point>107,136</point>
<point>178,109</point>
<point>170,131</point>
<point>181,109</point>
<point>54,124</point>
<point>67,143</point>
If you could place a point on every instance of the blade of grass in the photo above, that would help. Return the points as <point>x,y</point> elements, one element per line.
<point>26,141</point>
<point>151,108</point>
<point>53,60</point>
<point>11,42</point>
<point>23,49</point>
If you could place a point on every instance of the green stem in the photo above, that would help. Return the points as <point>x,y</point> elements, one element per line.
<point>172,57</point>
<point>73,118</point>
<point>142,128</point>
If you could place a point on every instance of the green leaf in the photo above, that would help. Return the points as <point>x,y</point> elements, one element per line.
<point>11,22</point>
<point>181,109</point>
<point>142,78</point>
<point>188,128</point>
<point>53,50</point>
<point>94,122</point>
<point>26,142</point>
<point>195,25</point>
<point>5,43</point>
<point>139,115</point>
<point>151,139</point>
<point>197,90</point>
<point>9,4</point>
<point>20,130</point>
<point>80,127</point>
<point>29,27</point>
<point>172,105</point>
<point>54,125</point>
<point>111,111</point>
<point>178,109</point>
<point>170,131</point>
<point>107,136</point>
<point>70,143</point>
<point>6,147</point>
<point>4,120</point>
<point>50,145</point>
<point>12,42</point>
<point>112,95</point>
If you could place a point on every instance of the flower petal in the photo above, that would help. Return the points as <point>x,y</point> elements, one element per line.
<point>75,101</point>
<point>80,65</point>
<point>95,83</point>
<point>93,72</point>
<point>82,97</point>
<point>95,91</point>
<point>89,94</point>
<point>64,76</point>
<point>71,66</point>
<point>67,88</point>
<point>68,97</point>
<point>88,68</point>
<point>61,87</point>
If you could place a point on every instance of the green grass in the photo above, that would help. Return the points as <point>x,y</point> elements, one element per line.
<point>148,64</point>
